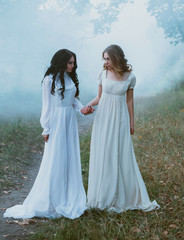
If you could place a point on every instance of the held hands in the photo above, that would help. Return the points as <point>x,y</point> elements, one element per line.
<point>87,110</point>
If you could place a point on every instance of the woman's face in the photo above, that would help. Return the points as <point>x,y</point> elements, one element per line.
<point>107,60</point>
<point>70,64</point>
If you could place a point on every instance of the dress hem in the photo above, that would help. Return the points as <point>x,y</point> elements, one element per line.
<point>153,206</point>
<point>53,215</point>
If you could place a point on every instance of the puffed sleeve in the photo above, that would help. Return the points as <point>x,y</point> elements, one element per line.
<point>46,105</point>
<point>77,105</point>
<point>132,82</point>
<point>100,78</point>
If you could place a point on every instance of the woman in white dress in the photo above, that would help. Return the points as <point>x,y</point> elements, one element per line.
<point>58,189</point>
<point>115,182</point>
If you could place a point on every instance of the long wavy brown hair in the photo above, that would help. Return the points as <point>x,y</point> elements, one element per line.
<point>58,64</point>
<point>117,57</point>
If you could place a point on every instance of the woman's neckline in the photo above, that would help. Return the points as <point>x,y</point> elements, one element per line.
<point>117,80</point>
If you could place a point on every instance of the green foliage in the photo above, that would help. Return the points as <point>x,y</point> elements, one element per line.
<point>170,16</point>
<point>107,14</point>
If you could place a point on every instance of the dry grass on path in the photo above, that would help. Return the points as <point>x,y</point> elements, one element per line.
<point>18,140</point>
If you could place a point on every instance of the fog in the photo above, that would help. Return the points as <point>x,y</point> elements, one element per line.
<point>32,31</point>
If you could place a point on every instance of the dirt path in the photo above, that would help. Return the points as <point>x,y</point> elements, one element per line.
<point>9,228</point>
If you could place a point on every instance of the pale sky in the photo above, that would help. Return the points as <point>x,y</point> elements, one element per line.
<point>31,32</point>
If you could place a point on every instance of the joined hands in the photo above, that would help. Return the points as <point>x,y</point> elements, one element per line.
<point>87,110</point>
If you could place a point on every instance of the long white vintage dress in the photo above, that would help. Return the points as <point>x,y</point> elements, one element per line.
<point>58,189</point>
<point>115,182</point>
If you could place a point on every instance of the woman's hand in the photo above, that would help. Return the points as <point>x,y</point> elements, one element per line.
<point>131,128</point>
<point>90,109</point>
<point>87,110</point>
<point>46,137</point>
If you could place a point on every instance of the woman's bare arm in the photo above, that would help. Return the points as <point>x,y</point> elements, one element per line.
<point>130,105</point>
<point>96,100</point>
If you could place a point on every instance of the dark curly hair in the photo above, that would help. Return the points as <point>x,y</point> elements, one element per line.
<point>58,64</point>
<point>118,59</point>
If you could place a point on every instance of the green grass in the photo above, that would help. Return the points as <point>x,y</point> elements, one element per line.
<point>158,144</point>
<point>18,140</point>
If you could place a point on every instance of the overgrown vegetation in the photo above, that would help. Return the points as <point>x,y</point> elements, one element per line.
<point>18,140</point>
<point>158,144</point>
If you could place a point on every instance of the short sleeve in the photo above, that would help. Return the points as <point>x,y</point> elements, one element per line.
<point>100,78</point>
<point>132,82</point>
